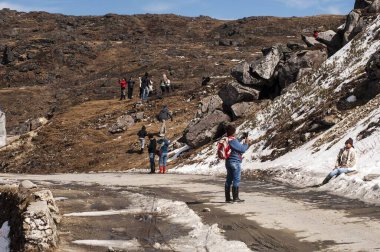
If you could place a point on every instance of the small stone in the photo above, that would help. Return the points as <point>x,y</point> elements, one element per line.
<point>206,210</point>
<point>27,184</point>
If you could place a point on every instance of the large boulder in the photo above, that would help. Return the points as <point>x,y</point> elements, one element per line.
<point>3,132</point>
<point>361,4</point>
<point>311,41</point>
<point>289,71</point>
<point>242,74</point>
<point>265,67</point>
<point>206,129</point>
<point>209,104</point>
<point>234,92</point>
<point>243,109</point>
<point>331,39</point>
<point>374,7</point>
<point>8,56</point>
<point>373,67</point>
<point>122,124</point>
<point>354,25</point>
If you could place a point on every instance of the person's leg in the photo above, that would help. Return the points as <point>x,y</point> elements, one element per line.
<point>227,185</point>
<point>152,163</point>
<point>332,174</point>
<point>165,159</point>
<point>236,182</point>
<point>163,127</point>
<point>162,89</point>
<point>167,89</point>
<point>121,94</point>
<point>124,94</point>
<point>160,162</point>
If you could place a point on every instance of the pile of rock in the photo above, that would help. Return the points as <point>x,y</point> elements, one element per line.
<point>33,217</point>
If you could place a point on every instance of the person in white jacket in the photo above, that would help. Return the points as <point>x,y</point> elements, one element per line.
<point>3,132</point>
<point>346,161</point>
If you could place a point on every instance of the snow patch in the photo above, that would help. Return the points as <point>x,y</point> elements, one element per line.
<point>116,244</point>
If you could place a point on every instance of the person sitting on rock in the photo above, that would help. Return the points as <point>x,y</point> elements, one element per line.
<point>315,34</point>
<point>345,163</point>
<point>142,134</point>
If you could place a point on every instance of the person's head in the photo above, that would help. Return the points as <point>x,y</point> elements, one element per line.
<point>146,74</point>
<point>230,130</point>
<point>150,136</point>
<point>143,128</point>
<point>130,77</point>
<point>349,143</point>
<point>165,107</point>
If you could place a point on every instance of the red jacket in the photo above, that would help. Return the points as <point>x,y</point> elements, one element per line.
<point>123,84</point>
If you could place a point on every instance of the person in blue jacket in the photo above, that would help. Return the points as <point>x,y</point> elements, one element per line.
<point>233,164</point>
<point>163,155</point>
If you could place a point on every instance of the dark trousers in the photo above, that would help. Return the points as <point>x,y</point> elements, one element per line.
<point>130,93</point>
<point>152,163</point>
<point>141,92</point>
<point>122,94</point>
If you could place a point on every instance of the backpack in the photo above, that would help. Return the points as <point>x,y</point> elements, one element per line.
<point>224,149</point>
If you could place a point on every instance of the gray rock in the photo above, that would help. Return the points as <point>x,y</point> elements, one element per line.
<point>27,184</point>
<point>8,56</point>
<point>375,7</point>
<point>350,30</point>
<point>265,67</point>
<point>373,67</point>
<point>139,116</point>
<point>331,39</point>
<point>242,74</point>
<point>210,104</point>
<point>206,129</point>
<point>122,124</point>
<point>234,92</point>
<point>288,72</point>
<point>294,46</point>
<point>311,41</point>
<point>243,109</point>
<point>3,131</point>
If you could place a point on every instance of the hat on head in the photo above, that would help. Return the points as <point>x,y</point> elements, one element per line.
<point>350,141</point>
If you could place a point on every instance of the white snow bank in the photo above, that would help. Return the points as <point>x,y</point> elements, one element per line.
<point>4,237</point>
<point>131,245</point>
<point>104,213</point>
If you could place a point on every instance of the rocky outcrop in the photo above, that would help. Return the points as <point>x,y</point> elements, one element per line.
<point>242,74</point>
<point>28,125</point>
<point>361,4</point>
<point>243,109</point>
<point>201,132</point>
<point>122,124</point>
<point>331,39</point>
<point>234,93</point>
<point>311,41</point>
<point>289,70</point>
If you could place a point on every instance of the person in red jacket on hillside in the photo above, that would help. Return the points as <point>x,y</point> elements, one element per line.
<point>123,85</point>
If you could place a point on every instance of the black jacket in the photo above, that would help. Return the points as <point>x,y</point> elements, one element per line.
<point>152,146</point>
<point>145,81</point>
<point>164,114</point>
<point>131,83</point>
<point>142,134</point>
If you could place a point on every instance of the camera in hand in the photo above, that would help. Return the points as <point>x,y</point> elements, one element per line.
<point>245,135</point>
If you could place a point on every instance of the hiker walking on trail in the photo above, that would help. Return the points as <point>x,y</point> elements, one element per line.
<point>123,85</point>
<point>131,84</point>
<point>152,149</point>
<point>230,149</point>
<point>145,82</point>
<point>163,116</point>
<point>142,134</point>
<point>164,149</point>
<point>346,161</point>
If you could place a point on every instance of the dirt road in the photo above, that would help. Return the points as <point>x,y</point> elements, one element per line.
<point>273,218</point>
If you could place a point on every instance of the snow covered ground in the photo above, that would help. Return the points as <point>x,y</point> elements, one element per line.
<point>310,163</point>
<point>4,237</point>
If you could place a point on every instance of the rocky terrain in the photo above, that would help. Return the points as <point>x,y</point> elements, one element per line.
<point>63,72</point>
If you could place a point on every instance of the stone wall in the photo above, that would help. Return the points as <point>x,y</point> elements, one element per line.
<point>33,217</point>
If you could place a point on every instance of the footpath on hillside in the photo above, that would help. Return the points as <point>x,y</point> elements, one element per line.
<point>141,212</point>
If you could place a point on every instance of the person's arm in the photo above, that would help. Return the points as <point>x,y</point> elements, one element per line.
<point>236,146</point>
<point>337,163</point>
<point>352,161</point>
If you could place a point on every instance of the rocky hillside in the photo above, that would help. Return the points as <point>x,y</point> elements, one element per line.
<point>62,73</point>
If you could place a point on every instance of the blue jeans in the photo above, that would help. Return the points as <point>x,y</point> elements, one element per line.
<point>233,173</point>
<point>152,163</point>
<point>339,171</point>
<point>163,159</point>
<point>145,94</point>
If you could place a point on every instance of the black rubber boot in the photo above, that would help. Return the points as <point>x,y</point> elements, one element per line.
<point>235,195</point>
<point>326,180</point>
<point>227,191</point>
